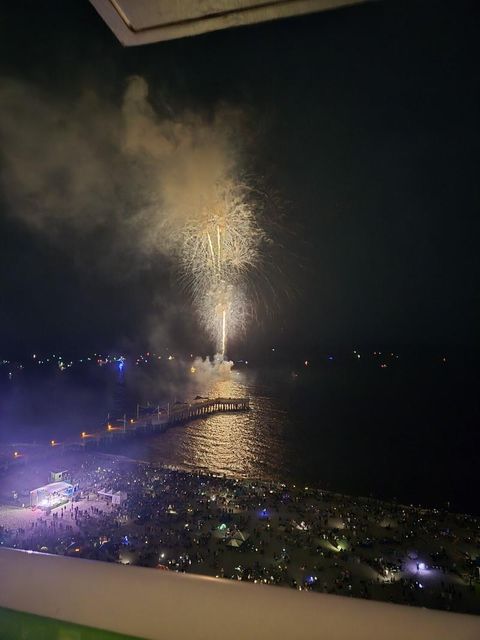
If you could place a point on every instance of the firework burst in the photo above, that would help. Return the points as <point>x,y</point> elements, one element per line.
<point>219,249</point>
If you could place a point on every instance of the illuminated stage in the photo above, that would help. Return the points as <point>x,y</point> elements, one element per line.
<point>51,495</point>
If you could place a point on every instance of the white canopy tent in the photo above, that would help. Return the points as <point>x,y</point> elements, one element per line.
<point>51,495</point>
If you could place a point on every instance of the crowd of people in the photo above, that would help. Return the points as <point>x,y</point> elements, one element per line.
<point>268,533</point>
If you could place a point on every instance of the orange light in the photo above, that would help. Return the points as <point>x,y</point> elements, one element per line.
<point>132,421</point>
<point>52,442</point>
<point>16,454</point>
<point>109,427</point>
<point>84,434</point>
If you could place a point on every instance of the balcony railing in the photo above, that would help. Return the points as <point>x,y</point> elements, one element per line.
<point>146,603</point>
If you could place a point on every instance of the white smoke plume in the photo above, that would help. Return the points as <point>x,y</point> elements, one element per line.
<point>209,370</point>
<point>80,165</point>
<point>106,178</point>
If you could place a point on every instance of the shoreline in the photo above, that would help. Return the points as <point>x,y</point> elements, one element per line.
<point>197,470</point>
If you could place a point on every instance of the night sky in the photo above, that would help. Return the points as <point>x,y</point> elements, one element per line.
<point>363,127</point>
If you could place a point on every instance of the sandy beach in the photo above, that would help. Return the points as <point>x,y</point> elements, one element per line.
<point>266,533</point>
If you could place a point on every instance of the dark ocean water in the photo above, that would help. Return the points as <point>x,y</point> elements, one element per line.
<point>409,431</point>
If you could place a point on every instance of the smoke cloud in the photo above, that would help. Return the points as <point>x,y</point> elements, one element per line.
<point>179,163</point>
<point>100,179</point>
<point>74,168</point>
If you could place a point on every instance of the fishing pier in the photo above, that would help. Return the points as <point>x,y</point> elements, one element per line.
<point>160,421</point>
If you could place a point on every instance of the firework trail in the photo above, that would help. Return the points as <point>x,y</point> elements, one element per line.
<point>196,210</point>
<point>219,249</point>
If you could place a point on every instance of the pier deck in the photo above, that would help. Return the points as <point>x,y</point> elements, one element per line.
<point>162,420</point>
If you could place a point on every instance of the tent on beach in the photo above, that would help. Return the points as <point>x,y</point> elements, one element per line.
<point>233,542</point>
<point>238,538</point>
